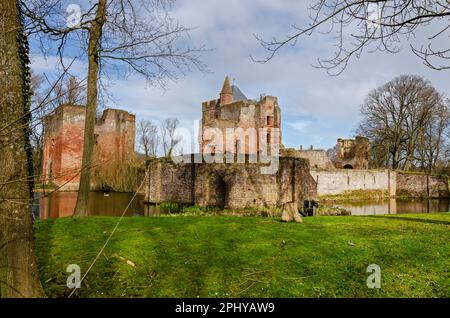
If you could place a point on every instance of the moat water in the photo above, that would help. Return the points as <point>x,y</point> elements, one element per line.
<point>396,206</point>
<point>62,204</point>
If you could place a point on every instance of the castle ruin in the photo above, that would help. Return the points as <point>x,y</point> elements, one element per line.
<point>235,124</point>
<point>301,174</point>
<point>352,153</point>
<point>63,143</point>
<point>240,126</point>
<point>230,185</point>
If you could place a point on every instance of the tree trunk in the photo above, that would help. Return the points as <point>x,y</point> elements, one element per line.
<point>18,268</point>
<point>95,35</point>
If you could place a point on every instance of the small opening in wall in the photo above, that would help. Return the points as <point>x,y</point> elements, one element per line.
<point>269,120</point>
<point>268,137</point>
<point>373,179</point>
<point>348,180</point>
<point>171,176</point>
<point>221,192</point>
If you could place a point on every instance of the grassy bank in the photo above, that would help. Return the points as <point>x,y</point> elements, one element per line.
<point>226,256</point>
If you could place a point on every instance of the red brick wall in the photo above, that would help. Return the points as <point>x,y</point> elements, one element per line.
<point>262,114</point>
<point>63,143</point>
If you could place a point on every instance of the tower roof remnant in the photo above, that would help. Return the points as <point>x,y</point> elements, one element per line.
<point>237,93</point>
<point>226,89</point>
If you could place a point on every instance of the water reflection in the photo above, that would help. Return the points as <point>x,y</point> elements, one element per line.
<point>62,204</point>
<point>397,206</point>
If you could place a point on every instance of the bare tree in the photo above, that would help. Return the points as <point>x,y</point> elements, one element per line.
<point>18,267</point>
<point>148,137</point>
<point>46,97</point>
<point>116,35</point>
<point>331,153</point>
<point>373,25</point>
<point>433,142</point>
<point>406,121</point>
<point>169,139</point>
<point>70,91</point>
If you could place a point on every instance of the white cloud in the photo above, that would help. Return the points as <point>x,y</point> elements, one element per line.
<point>300,125</point>
<point>50,63</point>
<point>330,104</point>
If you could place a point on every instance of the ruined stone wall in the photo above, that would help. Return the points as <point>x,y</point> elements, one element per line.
<point>233,186</point>
<point>352,153</point>
<point>422,185</point>
<point>169,182</point>
<point>63,143</point>
<point>396,183</point>
<point>115,135</point>
<point>341,181</point>
<point>318,159</point>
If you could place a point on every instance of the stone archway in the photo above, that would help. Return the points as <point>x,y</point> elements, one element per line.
<point>348,166</point>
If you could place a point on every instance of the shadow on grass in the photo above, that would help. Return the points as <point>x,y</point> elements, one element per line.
<point>412,219</point>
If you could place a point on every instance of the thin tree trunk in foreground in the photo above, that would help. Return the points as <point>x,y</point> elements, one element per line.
<point>18,268</point>
<point>95,36</point>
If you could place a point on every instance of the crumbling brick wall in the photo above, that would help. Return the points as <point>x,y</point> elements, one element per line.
<point>422,185</point>
<point>318,158</point>
<point>63,143</point>
<point>352,153</point>
<point>233,185</point>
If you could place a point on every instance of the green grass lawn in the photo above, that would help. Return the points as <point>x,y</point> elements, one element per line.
<point>225,256</point>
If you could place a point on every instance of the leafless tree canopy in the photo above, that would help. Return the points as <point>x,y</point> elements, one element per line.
<point>373,25</point>
<point>148,138</point>
<point>70,91</point>
<point>138,36</point>
<point>331,153</point>
<point>169,139</point>
<point>407,122</point>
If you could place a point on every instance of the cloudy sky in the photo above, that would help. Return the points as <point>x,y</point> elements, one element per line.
<point>316,108</point>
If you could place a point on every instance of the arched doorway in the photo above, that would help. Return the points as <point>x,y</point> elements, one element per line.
<point>221,191</point>
<point>348,166</point>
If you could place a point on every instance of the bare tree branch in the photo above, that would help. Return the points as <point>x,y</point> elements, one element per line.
<point>376,25</point>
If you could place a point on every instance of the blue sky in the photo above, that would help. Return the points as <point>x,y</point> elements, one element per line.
<point>316,108</point>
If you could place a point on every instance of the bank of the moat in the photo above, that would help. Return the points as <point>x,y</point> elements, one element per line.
<point>177,256</point>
